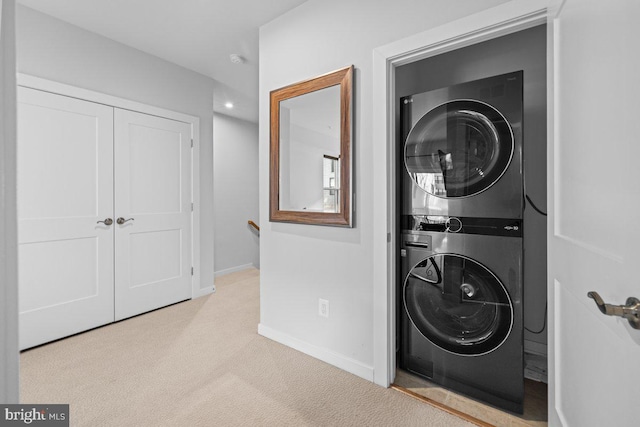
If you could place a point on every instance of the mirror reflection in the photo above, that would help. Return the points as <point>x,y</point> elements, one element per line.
<point>331,184</point>
<point>310,151</point>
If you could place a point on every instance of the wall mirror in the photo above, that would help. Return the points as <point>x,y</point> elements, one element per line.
<point>310,153</point>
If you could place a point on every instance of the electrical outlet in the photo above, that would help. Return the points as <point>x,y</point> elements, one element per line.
<point>323,307</point>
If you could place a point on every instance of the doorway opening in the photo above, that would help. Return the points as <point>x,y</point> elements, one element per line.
<point>440,105</point>
<point>408,72</point>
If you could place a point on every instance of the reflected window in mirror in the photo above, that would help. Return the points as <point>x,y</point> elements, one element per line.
<point>311,151</point>
<point>330,185</point>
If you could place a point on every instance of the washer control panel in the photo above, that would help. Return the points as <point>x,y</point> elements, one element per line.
<point>463,225</point>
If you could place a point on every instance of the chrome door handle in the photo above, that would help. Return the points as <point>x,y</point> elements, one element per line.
<point>107,221</point>
<point>121,220</point>
<point>630,311</point>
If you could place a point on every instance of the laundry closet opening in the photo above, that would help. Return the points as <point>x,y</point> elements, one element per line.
<point>471,300</point>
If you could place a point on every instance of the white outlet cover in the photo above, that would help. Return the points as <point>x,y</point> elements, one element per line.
<point>323,307</point>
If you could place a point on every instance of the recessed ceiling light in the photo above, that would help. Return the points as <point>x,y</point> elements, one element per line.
<point>228,105</point>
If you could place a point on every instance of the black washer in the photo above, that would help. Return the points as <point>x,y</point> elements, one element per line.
<point>458,304</point>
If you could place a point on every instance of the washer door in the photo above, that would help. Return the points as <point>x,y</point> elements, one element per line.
<point>458,304</point>
<point>459,149</point>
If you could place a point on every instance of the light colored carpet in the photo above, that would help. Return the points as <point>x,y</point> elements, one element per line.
<point>202,363</point>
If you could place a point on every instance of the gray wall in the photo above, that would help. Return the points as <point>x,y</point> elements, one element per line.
<point>302,263</point>
<point>9,355</point>
<point>54,50</point>
<point>235,154</point>
<point>525,50</point>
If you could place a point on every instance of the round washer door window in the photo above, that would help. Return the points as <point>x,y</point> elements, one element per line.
<point>459,149</point>
<point>458,304</point>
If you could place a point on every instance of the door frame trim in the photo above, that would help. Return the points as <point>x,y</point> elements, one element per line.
<point>507,18</point>
<point>50,86</point>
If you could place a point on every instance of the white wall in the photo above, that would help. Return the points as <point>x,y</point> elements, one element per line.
<point>9,356</point>
<point>306,170</point>
<point>54,50</point>
<point>301,263</point>
<point>306,177</point>
<point>235,153</point>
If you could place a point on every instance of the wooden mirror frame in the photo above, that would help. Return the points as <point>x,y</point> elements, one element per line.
<point>344,78</point>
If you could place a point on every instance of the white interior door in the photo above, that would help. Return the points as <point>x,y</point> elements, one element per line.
<point>65,186</point>
<point>595,232</point>
<point>153,193</point>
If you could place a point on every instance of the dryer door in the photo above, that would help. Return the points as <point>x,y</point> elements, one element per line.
<point>459,149</point>
<point>458,304</point>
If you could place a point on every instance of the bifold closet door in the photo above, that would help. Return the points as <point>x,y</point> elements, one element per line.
<point>65,188</point>
<point>153,212</point>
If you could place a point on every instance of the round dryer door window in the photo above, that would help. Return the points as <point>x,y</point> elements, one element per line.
<point>458,304</point>
<point>459,149</point>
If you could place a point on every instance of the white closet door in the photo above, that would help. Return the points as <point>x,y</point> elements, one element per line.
<point>65,186</point>
<point>153,193</point>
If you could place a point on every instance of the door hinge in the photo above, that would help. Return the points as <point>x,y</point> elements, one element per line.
<point>192,271</point>
<point>191,142</point>
<point>191,206</point>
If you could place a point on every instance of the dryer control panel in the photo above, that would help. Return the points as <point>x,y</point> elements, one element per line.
<point>463,225</point>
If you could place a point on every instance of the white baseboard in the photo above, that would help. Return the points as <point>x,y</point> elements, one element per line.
<point>339,361</point>
<point>535,367</point>
<point>233,269</point>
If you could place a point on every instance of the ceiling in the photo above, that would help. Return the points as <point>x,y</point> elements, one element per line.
<point>196,34</point>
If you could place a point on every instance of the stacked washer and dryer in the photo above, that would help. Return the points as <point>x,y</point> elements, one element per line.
<point>460,296</point>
